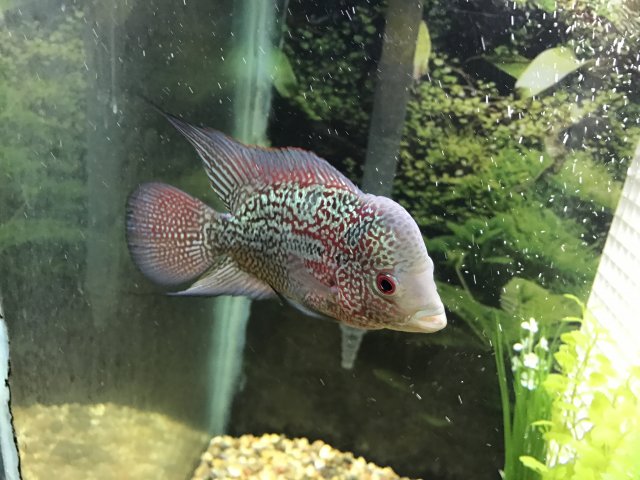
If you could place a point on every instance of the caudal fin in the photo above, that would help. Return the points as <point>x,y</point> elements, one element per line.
<point>166,233</point>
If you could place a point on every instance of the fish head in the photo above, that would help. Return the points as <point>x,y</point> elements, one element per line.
<point>394,272</point>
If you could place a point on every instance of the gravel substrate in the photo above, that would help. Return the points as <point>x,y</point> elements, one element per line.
<point>107,442</point>
<point>277,457</point>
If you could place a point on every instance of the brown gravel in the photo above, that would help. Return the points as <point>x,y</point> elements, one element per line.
<point>272,456</point>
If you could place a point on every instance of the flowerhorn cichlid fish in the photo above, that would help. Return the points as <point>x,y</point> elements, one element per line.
<point>296,228</point>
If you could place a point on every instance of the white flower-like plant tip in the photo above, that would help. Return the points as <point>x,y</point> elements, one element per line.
<point>530,360</point>
<point>530,325</point>
<point>527,380</point>
<point>544,344</point>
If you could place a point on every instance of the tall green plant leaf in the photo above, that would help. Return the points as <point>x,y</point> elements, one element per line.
<point>423,52</point>
<point>479,317</point>
<point>546,5</point>
<point>511,63</point>
<point>588,181</point>
<point>546,70</point>
<point>284,79</point>
<point>524,299</point>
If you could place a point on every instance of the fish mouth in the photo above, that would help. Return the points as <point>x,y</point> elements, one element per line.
<point>423,321</point>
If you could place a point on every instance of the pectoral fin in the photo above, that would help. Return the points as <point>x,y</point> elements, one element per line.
<point>307,311</point>
<point>225,278</point>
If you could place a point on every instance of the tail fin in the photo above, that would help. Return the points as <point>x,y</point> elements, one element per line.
<point>167,233</point>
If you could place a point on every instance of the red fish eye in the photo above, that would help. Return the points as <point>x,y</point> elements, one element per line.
<point>386,283</point>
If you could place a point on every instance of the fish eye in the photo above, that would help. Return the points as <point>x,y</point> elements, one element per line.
<point>386,283</point>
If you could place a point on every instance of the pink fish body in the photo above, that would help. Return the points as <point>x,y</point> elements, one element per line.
<point>296,228</point>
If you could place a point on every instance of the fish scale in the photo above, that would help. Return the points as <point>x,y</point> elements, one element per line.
<point>296,227</point>
<point>309,227</point>
<point>301,232</point>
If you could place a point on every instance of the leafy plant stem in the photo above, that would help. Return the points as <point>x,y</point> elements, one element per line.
<point>504,387</point>
<point>580,371</point>
<point>463,282</point>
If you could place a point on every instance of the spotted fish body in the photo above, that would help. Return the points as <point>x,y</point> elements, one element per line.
<point>296,228</point>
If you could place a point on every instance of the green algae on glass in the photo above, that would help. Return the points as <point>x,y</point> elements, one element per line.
<point>41,140</point>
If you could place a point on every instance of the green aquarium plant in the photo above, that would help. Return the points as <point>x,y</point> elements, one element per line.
<point>526,335</point>
<point>568,413</point>
<point>515,188</point>
<point>593,430</point>
<point>334,60</point>
<point>530,366</point>
<point>524,361</point>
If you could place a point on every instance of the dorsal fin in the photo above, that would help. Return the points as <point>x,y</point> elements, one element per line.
<point>235,169</point>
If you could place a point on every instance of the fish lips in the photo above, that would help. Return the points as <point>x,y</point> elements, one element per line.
<point>423,321</point>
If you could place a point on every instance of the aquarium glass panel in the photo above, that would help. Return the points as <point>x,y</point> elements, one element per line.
<point>319,239</point>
